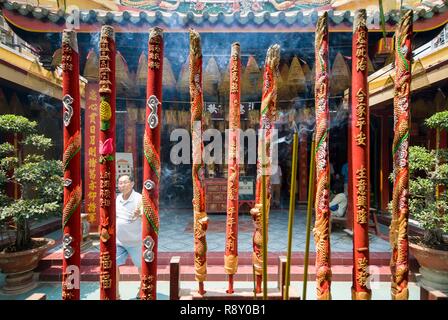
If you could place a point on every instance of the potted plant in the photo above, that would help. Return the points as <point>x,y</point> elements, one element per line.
<point>39,182</point>
<point>428,205</point>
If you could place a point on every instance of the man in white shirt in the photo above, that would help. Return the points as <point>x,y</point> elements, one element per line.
<point>338,205</point>
<point>128,224</point>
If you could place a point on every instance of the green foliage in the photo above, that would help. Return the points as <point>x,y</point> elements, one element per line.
<point>4,200</point>
<point>441,175</point>
<point>6,149</point>
<point>33,158</point>
<point>40,180</point>
<point>3,177</point>
<point>12,123</point>
<point>44,181</point>
<point>420,159</point>
<point>38,141</point>
<point>422,188</point>
<point>9,163</point>
<point>438,121</point>
<point>428,186</point>
<point>28,209</point>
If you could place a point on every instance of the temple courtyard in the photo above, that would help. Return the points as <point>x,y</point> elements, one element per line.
<point>176,239</point>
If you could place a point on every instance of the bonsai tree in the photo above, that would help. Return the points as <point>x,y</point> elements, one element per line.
<point>428,184</point>
<point>39,180</point>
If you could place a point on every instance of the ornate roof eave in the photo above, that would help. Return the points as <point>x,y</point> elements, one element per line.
<point>426,71</point>
<point>25,71</point>
<point>37,19</point>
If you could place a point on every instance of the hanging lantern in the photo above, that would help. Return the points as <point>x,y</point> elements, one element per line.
<point>340,75</point>
<point>251,78</point>
<point>184,78</point>
<point>91,67</point>
<point>212,76</point>
<point>122,75</point>
<point>142,70</point>
<point>284,71</point>
<point>224,85</point>
<point>296,78</point>
<point>283,89</point>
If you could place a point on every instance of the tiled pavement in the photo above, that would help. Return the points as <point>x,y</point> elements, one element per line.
<point>176,233</point>
<point>176,237</point>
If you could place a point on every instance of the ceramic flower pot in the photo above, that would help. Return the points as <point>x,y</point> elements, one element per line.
<point>18,267</point>
<point>433,267</point>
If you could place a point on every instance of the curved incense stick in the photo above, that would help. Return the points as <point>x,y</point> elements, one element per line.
<point>231,250</point>
<point>400,199</point>
<point>200,216</point>
<point>267,119</point>
<point>322,223</point>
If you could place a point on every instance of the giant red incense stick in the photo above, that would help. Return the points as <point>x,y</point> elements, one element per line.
<point>322,223</point>
<point>267,122</point>
<point>231,250</point>
<point>107,145</point>
<point>151,165</point>
<point>400,199</point>
<point>71,221</point>
<point>200,216</point>
<point>360,158</point>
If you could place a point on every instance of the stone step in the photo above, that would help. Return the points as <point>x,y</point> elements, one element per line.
<point>216,273</point>
<point>217,258</point>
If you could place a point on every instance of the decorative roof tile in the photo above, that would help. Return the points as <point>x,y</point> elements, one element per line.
<point>219,13</point>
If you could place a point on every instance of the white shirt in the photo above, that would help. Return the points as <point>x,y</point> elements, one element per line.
<point>129,231</point>
<point>341,200</point>
<point>276,175</point>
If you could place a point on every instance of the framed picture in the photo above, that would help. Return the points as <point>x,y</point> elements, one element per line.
<point>124,164</point>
